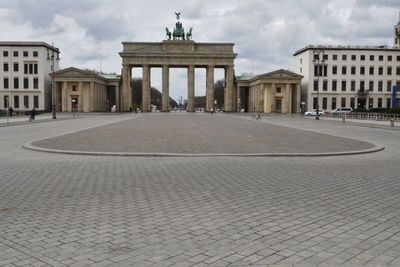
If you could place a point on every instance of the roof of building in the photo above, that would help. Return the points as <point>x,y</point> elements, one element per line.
<point>281,73</point>
<point>111,76</point>
<point>23,43</point>
<point>347,47</point>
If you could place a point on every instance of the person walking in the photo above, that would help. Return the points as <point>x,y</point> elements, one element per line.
<point>10,111</point>
<point>33,113</point>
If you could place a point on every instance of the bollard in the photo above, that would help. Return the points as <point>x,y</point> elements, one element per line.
<point>392,122</point>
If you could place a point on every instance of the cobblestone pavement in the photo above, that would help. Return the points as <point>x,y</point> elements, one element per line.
<point>199,133</point>
<point>69,210</point>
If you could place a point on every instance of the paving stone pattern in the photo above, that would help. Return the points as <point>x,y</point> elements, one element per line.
<point>69,210</point>
<point>199,133</point>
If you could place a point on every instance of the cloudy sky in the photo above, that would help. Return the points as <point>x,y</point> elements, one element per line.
<point>266,32</point>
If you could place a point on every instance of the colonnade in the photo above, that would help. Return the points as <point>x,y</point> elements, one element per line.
<point>126,94</point>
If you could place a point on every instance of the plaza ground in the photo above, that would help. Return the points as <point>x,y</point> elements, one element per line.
<point>74,210</point>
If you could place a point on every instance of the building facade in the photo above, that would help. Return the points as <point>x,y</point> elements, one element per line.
<point>273,92</point>
<point>83,91</point>
<point>349,76</point>
<point>25,79</point>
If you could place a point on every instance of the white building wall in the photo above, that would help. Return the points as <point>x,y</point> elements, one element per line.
<point>306,68</point>
<point>43,92</point>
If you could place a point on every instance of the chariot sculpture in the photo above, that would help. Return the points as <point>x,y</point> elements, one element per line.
<point>179,31</point>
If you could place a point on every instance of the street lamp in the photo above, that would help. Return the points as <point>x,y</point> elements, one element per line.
<point>51,56</point>
<point>318,58</point>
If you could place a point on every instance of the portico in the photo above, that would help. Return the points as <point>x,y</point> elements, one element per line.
<point>178,54</point>
<point>278,91</point>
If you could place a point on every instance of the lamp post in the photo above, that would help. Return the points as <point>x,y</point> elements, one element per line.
<point>51,56</point>
<point>318,58</point>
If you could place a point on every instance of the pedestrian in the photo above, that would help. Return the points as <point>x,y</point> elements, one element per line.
<point>33,113</point>
<point>10,110</point>
<point>130,109</point>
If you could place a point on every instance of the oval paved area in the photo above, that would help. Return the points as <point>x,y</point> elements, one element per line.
<point>199,134</point>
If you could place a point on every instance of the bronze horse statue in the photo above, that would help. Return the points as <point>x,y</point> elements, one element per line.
<point>168,33</point>
<point>189,34</point>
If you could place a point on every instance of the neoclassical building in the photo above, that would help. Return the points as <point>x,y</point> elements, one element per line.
<point>83,91</point>
<point>274,92</point>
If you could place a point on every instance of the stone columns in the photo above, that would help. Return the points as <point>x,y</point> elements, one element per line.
<point>229,89</point>
<point>191,97</point>
<point>91,97</point>
<point>273,97</point>
<point>117,102</point>
<point>126,92</point>
<point>288,98</point>
<point>146,89</point>
<point>298,98</point>
<point>165,88</point>
<point>80,99</point>
<point>64,97</point>
<point>238,100</point>
<point>210,88</point>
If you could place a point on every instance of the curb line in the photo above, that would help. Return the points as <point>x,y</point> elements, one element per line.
<point>29,146</point>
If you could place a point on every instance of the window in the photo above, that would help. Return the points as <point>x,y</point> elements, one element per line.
<point>301,60</point>
<point>5,53</point>
<point>380,58</point>
<point>334,70</point>
<point>36,101</point>
<point>334,57</point>
<point>26,83</point>
<point>353,57</point>
<point>344,70</point>
<point>353,85</point>
<point>362,57</point>
<point>74,88</point>
<point>333,102</point>
<point>16,67</point>
<point>15,53</point>
<point>398,71</point>
<point>371,57</point>
<point>325,57</point>
<point>362,70</point>
<point>315,102</point>
<point>371,70</point>
<point>25,53</point>
<point>388,100</point>
<point>315,85</point>
<point>379,102</point>
<point>371,86</point>
<point>278,90</point>
<point>344,57</point>
<point>380,86</point>
<point>324,103</point>
<point>389,58</point>
<point>343,102</point>
<point>389,70</point>
<point>362,86</point>
<point>325,85</point>
<point>16,83</point>
<point>301,70</point>
<point>35,83</point>
<point>343,86</point>
<point>325,71</point>
<point>6,84</point>
<point>398,58</point>
<point>380,70</point>
<point>5,99</point>
<point>5,67</point>
<point>353,70</point>
<point>334,85</point>
<point>352,102</point>
<point>16,101</point>
<point>389,86</point>
<point>26,101</point>
<point>370,102</point>
<point>30,68</point>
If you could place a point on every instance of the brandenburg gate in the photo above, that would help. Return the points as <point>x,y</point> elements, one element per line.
<point>180,52</point>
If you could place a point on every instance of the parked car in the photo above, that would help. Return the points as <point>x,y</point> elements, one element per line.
<point>341,111</point>
<point>314,112</point>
